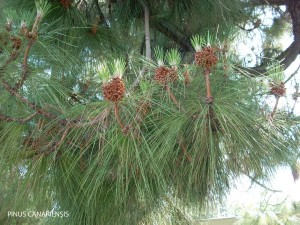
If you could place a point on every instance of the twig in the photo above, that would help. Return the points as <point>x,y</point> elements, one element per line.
<point>100,118</point>
<point>20,120</point>
<point>138,80</point>
<point>172,96</point>
<point>292,75</point>
<point>184,151</point>
<point>28,103</point>
<point>100,13</point>
<point>20,83</point>
<point>209,98</point>
<point>275,107</point>
<point>294,105</point>
<point>260,184</point>
<point>116,111</point>
<point>147,28</point>
<point>52,148</point>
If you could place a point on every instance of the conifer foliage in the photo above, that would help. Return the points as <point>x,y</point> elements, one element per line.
<point>91,127</point>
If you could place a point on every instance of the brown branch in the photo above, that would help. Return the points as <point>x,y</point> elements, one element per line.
<point>275,107</point>
<point>147,28</point>
<point>100,13</point>
<point>184,151</point>
<point>286,58</point>
<point>292,75</point>
<point>209,97</point>
<point>173,33</point>
<point>260,184</point>
<point>27,102</point>
<point>20,83</point>
<point>98,119</point>
<point>20,120</point>
<point>51,147</point>
<point>138,80</point>
<point>267,2</point>
<point>11,58</point>
<point>172,96</point>
<point>116,111</point>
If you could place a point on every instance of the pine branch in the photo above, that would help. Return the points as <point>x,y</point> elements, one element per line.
<point>292,75</point>
<point>288,56</point>
<point>173,33</point>
<point>98,119</point>
<point>20,120</point>
<point>20,83</point>
<point>147,28</point>
<point>28,103</point>
<point>51,148</point>
<point>260,184</point>
<point>209,97</point>
<point>267,2</point>
<point>184,151</point>
<point>100,13</point>
<point>172,96</point>
<point>275,107</point>
<point>116,111</point>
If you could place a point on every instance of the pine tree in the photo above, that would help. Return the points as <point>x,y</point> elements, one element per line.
<point>114,110</point>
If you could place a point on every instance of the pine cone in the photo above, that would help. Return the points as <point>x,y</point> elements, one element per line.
<point>164,75</point>
<point>206,58</point>
<point>278,89</point>
<point>114,90</point>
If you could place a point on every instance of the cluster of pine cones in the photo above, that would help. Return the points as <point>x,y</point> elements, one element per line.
<point>114,90</point>
<point>206,58</point>
<point>66,3</point>
<point>164,74</point>
<point>278,89</point>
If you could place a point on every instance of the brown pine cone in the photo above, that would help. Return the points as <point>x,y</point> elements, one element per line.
<point>278,89</point>
<point>164,75</point>
<point>206,58</point>
<point>114,90</point>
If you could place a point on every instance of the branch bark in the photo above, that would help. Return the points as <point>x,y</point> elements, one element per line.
<point>20,120</point>
<point>287,57</point>
<point>173,33</point>
<point>20,83</point>
<point>267,2</point>
<point>100,13</point>
<point>147,28</point>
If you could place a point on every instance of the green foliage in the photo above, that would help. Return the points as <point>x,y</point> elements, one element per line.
<point>63,147</point>
<point>159,55</point>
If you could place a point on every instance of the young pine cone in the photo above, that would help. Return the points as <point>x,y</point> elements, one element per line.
<point>114,90</point>
<point>278,89</point>
<point>164,75</point>
<point>206,58</point>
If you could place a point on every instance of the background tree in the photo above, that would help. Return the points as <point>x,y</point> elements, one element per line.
<point>90,126</point>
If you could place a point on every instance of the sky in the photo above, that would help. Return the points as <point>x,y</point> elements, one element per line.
<point>250,196</point>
